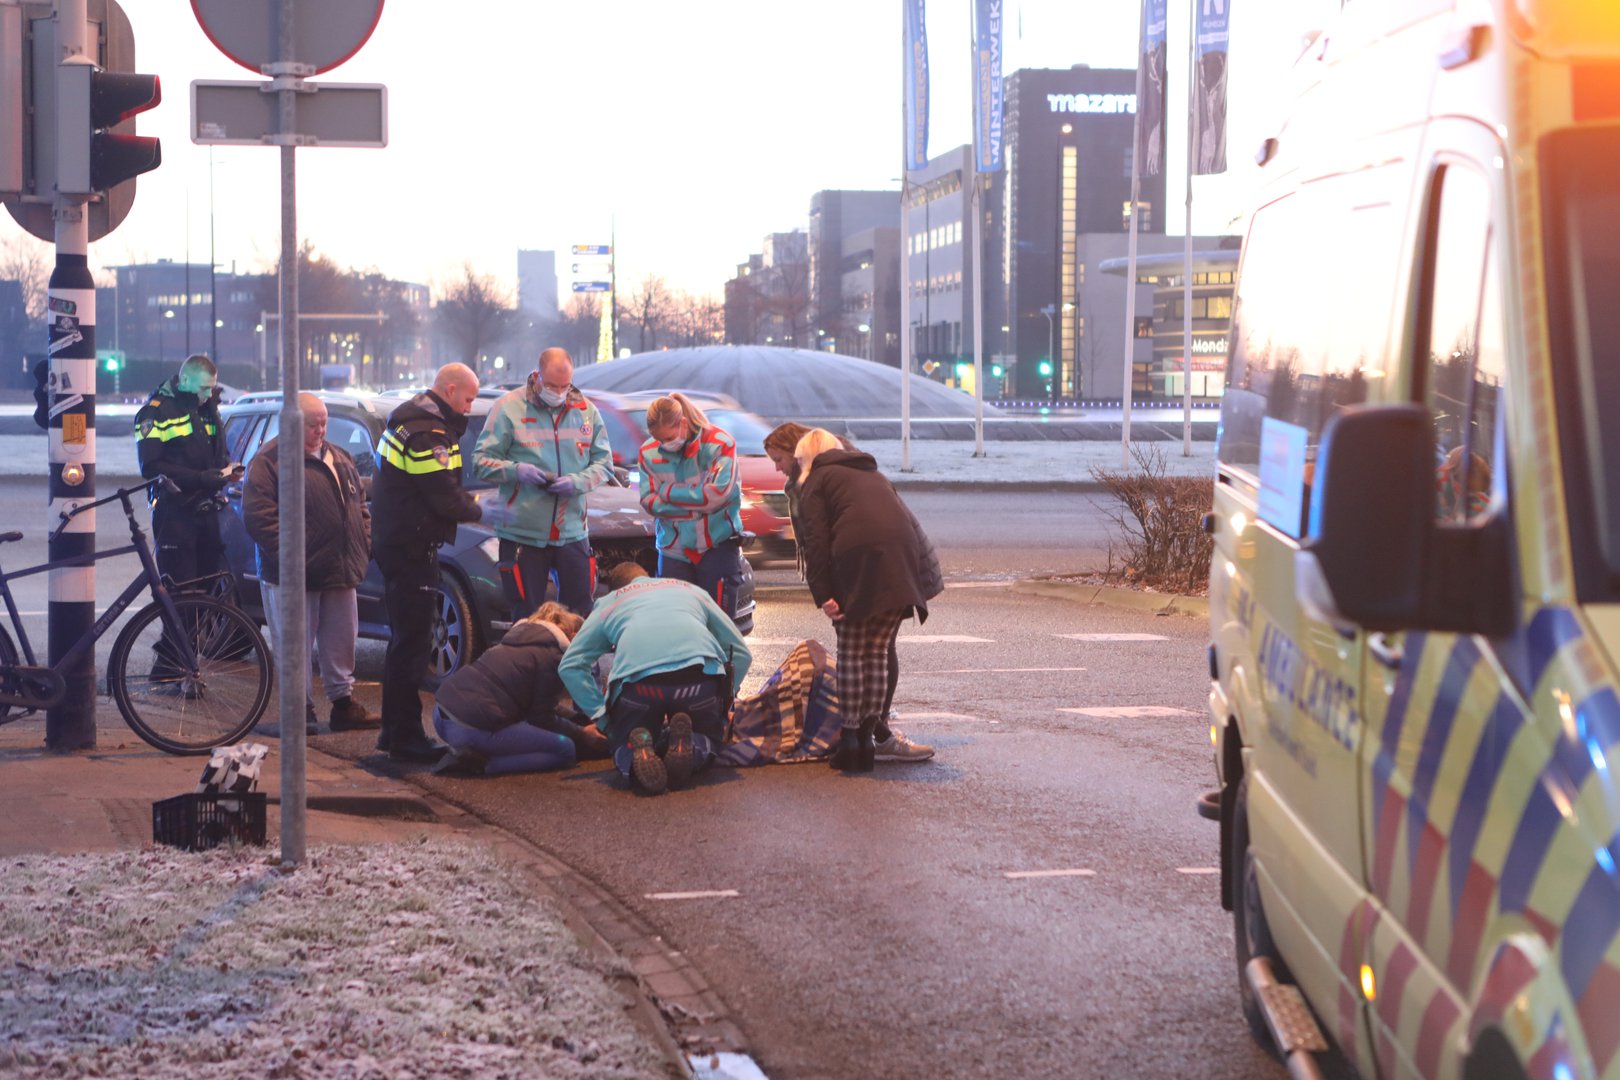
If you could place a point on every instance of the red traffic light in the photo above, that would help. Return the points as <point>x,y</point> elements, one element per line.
<point>115,96</point>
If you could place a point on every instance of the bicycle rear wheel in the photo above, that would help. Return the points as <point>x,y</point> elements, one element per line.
<point>9,682</point>
<point>190,712</point>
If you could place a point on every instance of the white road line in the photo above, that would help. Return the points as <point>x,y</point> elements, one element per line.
<point>945,639</point>
<point>1198,871</point>
<point>1113,637</point>
<point>1019,875</point>
<point>1128,712</point>
<point>991,670</point>
<point>979,584</point>
<point>942,718</point>
<point>711,894</point>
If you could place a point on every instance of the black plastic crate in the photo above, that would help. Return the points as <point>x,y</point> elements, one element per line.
<point>197,821</point>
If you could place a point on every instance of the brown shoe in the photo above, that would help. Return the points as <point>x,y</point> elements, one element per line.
<point>349,715</point>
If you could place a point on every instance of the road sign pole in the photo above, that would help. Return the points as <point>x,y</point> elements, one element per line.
<point>292,650</point>
<point>71,306</point>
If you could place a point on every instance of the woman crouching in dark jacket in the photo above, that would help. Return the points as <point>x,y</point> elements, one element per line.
<point>869,567</point>
<point>498,714</point>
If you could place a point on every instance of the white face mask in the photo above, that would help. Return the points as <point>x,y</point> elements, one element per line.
<point>552,397</point>
<point>673,446</point>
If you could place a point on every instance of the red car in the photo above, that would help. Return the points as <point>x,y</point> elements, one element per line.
<point>764,506</point>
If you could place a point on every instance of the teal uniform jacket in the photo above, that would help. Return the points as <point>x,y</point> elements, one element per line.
<point>693,495</point>
<point>652,625</point>
<point>569,440</point>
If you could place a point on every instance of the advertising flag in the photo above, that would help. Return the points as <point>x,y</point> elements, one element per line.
<point>987,100</point>
<point>1150,112</point>
<point>916,74</point>
<point>1209,93</point>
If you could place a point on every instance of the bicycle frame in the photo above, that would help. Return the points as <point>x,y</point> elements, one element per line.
<point>148,578</point>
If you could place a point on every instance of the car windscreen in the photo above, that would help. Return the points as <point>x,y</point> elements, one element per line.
<point>1582,210</point>
<point>748,429</point>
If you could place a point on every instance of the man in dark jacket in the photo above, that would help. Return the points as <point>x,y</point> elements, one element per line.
<point>417,502</point>
<point>179,435</point>
<point>869,567</point>
<point>337,549</point>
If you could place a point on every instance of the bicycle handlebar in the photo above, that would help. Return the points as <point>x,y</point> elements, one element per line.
<point>122,495</point>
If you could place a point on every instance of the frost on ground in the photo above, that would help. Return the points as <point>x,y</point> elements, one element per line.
<point>403,960</point>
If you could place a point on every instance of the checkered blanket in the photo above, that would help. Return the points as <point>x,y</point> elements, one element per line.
<point>794,717</point>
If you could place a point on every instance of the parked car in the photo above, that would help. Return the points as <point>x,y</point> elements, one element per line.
<point>473,609</point>
<point>764,506</point>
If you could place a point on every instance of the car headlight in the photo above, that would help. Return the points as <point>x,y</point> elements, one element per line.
<point>491,548</point>
<point>748,502</point>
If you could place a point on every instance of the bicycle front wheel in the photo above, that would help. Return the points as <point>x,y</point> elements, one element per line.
<point>179,709</point>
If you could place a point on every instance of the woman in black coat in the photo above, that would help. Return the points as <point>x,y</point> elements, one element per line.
<point>869,567</point>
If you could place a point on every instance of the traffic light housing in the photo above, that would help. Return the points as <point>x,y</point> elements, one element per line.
<point>92,157</point>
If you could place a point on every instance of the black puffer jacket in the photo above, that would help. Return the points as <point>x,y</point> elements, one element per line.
<point>417,497</point>
<point>514,682</point>
<point>180,436</point>
<point>862,545</point>
<point>337,520</point>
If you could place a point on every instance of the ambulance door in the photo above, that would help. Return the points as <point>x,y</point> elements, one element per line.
<point>1427,698</point>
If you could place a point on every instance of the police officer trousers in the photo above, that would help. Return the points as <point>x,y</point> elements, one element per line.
<point>411,596</point>
<point>187,540</point>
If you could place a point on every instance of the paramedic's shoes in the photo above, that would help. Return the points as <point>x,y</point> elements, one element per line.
<point>899,748</point>
<point>349,715</point>
<point>679,758</point>
<point>646,767</point>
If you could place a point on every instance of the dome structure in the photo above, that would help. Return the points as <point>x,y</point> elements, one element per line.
<point>783,384</point>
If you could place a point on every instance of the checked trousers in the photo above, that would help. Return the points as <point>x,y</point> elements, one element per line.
<point>866,655</point>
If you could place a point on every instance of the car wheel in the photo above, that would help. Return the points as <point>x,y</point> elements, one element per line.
<point>455,631</point>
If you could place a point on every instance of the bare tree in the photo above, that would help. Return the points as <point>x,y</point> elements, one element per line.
<point>788,301</point>
<point>579,327</point>
<point>698,320</point>
<point>475,313</point>
<point>28,262</point>
<point>649,308</point>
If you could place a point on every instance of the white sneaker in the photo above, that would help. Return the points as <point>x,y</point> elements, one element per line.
<point>899,748</point>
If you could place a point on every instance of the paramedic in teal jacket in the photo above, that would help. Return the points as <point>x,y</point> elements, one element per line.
<point>669,693</point>
<point>545,446</point>
<point>689,486</point>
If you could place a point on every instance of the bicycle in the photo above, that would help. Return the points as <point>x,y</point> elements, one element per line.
<point>189,672</point>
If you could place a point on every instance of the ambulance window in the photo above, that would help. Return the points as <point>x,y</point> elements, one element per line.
<point>1310,325</point>
<point>1460,338</point>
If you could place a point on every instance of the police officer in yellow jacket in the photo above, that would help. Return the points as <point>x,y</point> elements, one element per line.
<point>417,501</point>
<point>179,435</point>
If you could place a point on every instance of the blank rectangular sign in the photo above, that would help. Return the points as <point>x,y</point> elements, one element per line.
<point>243,113</point>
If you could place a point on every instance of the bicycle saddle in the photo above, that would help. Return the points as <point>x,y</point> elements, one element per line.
<point>6,538</point>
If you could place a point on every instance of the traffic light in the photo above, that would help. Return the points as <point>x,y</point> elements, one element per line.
<point>90,156</point>
<point>1045,368</point>
<point>12,97</point>
<point>996,370</point>
<point>112,361</point>
<point>962,369</point>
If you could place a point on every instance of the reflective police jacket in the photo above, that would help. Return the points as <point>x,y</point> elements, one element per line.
<point>180,436</point>
<point>417,497</point>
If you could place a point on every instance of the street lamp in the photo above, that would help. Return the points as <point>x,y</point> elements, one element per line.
<point>168,313</point>
<point>866,340</point>
<point>1049,310</point>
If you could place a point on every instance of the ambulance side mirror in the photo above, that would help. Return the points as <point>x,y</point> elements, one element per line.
<point>1376,558</point>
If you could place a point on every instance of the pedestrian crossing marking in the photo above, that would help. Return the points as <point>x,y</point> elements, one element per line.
<point>991,670</point>
<point>944,639</point>
<point>942,717</point>
<point>707,894</point>
<point>1198,871</point>
<point>1113,637</point>
<point>1128,712</point>
<point>1020,875</point>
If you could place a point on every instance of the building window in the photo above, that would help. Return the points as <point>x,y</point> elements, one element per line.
<point>1220,307</point>
<point>1068,267</point>
<point>1144,327</point>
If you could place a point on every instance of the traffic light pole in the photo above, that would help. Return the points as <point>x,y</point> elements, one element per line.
<point>71,310</point>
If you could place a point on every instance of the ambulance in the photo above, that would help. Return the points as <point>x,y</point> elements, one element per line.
<point>1415,594</point>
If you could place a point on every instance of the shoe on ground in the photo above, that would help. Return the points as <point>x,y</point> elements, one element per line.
<point>679,757</point>
<point>349,715</point>
<point>418,749</point>
<point>899,748</point>
<point>646,767</point>
<point>460,762</point>
<point>312,726</point>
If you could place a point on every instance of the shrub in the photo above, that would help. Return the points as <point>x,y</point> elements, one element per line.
<point>1159,541</point>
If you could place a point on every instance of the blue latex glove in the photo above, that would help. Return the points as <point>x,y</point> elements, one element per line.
<point>563,487</point>
<point>532,474</point>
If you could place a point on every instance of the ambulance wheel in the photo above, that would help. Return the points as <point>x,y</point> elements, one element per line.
<point>1250,932</point>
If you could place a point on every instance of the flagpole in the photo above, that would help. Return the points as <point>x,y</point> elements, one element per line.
<point>1187,254</point>
<point>1130,273</point>
<point>906,334</point>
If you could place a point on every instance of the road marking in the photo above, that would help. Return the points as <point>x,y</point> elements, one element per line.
<point>1113,637</point>
<point>980,584</point>
<point>944,639</point>
<point>1128,712</point>
<point>1199,871</point>
<point>711,894</point>
<point>991,670</point>
<point>1019,875</point>
<point>941,718</point>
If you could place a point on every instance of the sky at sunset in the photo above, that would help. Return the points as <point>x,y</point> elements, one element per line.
<point>699,125</point>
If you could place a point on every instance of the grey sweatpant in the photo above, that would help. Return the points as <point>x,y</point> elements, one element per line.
<point>333,618</point>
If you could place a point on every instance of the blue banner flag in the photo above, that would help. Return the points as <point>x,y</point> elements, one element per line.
<point>987,101</point>
<point>916,73</point>
<point>1209,93</point>
<point>1151,79</point>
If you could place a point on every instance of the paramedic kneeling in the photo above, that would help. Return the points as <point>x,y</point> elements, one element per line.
<point>669,693</point>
